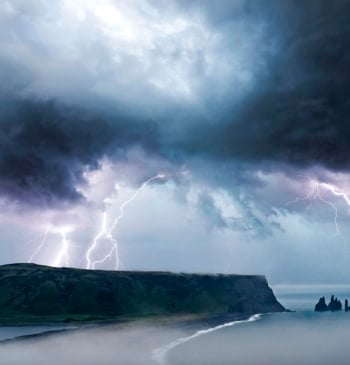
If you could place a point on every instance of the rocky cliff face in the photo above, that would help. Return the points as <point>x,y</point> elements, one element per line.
<point>28,290</point>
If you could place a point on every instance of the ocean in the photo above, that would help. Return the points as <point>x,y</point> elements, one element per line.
<point>300,337</point>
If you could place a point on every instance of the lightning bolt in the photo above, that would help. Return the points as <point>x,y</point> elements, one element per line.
<point>316,193</point>
<point>41,245</point>
<point>103,232</point>
<point>336,192</point>
<point>62,256</point>
<point>108,232</point>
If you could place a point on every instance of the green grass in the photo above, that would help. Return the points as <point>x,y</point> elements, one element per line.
<point>36,294</point>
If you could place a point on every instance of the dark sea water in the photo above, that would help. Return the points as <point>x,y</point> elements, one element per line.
<point>302,337</point>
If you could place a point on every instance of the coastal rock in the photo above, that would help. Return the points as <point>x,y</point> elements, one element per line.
<point>35,293</point>
<point>321,305</point>
<point>333,306</point>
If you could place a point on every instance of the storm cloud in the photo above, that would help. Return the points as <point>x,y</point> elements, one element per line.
<point>236,110</point>
<point>45,149</point>
<point>241,82</point>
<point>297,113</point>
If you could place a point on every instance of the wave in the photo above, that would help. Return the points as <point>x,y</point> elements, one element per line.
<point>160,354</point>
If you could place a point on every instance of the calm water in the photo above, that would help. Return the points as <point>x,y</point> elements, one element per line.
<point>303,338</point>
<point>304,297</point>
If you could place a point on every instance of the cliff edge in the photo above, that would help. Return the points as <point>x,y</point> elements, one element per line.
<point>30,292</point>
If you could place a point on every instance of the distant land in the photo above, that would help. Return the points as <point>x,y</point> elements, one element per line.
<point>32,293</point>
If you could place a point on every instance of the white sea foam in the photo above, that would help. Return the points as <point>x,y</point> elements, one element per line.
<point>160,354</point>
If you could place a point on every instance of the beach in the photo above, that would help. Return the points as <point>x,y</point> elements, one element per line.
<point>136,342</point>
<point>302,337</point>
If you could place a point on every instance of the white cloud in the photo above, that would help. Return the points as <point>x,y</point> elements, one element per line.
<point>137,54</point>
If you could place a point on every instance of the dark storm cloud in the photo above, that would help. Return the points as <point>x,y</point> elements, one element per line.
<point>299,114</point>
<point>46,148</point>
<point>291,59</point>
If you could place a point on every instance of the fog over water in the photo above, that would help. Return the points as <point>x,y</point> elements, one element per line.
<point>94,346</point>
<point>281,339</point>
<point>301,337</point>
<point>292,338</point>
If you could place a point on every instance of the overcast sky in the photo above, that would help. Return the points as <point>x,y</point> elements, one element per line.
<point>234,111</point>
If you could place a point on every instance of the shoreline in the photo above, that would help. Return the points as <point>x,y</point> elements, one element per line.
<point>159,354</point>
<point>145,341</point>
<point>187,322</point>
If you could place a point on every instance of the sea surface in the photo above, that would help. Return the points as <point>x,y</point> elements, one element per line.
<point>300,337</point>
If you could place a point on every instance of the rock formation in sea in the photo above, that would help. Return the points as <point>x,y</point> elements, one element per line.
<point>333,306</point>
<point>321,306</point>
<point>36,293</point>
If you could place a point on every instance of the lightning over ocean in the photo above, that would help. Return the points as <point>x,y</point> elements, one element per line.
<point>210,116</point>
<point>182,165</point>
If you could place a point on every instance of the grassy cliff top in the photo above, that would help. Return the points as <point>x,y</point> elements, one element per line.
<point>43,293</point>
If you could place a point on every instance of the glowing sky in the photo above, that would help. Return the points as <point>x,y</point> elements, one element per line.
<point>240,106</point>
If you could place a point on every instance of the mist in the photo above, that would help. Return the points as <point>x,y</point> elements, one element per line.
<point>282,339</point>
<point>106,345</point>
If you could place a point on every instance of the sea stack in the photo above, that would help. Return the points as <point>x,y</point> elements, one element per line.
<point>333,306</point>
<point>321,305</point>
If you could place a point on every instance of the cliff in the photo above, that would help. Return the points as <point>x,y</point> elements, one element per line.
<point>31,292</point>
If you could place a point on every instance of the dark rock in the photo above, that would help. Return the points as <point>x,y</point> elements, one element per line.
<point>333,306</point>
<point>347,308</point>
<point>321,306</point>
